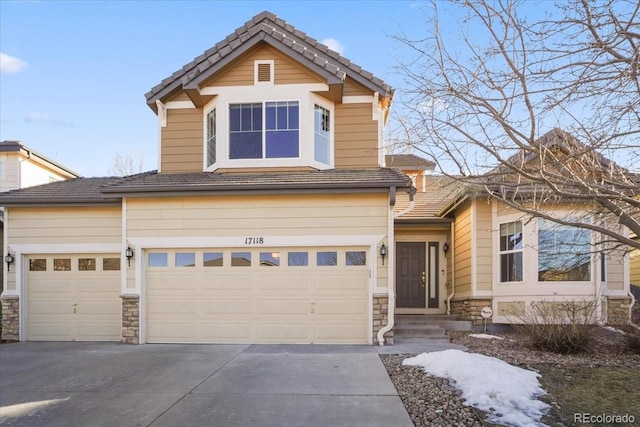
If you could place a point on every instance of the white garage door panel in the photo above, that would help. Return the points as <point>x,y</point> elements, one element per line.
<point>73,305</point>
<point>258,303</point>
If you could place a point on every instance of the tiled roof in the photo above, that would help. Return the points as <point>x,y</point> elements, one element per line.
<point>76,190</point>
<point>440,191</point>
<point>314,180</point>
<point>408,161</point>
<point>269,28</point>
<point>109,189</point>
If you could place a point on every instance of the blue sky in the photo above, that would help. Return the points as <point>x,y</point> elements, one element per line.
<point>74,73</point>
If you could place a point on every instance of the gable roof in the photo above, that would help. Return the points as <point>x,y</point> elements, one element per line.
<point>109,190</point>
<point>440,190</point>
<point>267,27</point>
<point>408,162</point>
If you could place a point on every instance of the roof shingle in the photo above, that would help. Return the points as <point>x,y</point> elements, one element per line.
<point>301,46</point>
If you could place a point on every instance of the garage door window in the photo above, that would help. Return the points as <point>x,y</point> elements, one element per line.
<point>39,264</point>
<point>62,264</point>
<point>185,259</point>
<point>111,264</point>
<point>356,258</point>
<point>269,259</point>
<point>212,259</point>
<point>240,259</point>
<point>327,259</point>
<point>158,259</point>
<point>86,264</point>
<point>298,259</point>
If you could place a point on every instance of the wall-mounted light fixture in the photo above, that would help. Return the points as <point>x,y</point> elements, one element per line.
<point>129,254</point>
<point>9,259</point>
<point>445,248</point>
<point>383,252</point>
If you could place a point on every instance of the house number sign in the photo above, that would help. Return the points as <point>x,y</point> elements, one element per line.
<point>254,240</point>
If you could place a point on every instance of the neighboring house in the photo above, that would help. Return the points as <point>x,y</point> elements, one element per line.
<point>22,167</point>
<point>505,259</point>
<point>273,217</point>
<point>634,260</point>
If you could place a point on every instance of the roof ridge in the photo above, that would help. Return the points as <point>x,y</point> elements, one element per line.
<point>282,32</point>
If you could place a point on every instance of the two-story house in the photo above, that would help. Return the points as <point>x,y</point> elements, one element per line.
<point>22,167</point>
<point>272,217</point>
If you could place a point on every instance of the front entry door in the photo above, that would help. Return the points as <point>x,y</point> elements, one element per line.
<point>410,274</point>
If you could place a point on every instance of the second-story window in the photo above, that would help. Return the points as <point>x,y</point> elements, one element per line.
<point>265,130</point>
<point>211,137</point>
<point>321,130</point>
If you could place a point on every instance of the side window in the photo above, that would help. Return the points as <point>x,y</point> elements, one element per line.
<point>322,135</point>
<point>511,247</point>
<point>211,137</point>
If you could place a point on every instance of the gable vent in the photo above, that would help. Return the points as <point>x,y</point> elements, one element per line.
<point>264,73</point>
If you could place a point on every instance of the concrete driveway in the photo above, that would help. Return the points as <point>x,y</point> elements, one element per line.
<point>108,384</point>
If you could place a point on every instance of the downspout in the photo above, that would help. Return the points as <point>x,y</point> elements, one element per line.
<point>633,302</point>
<point>453,266</point>
<point>391,305</point>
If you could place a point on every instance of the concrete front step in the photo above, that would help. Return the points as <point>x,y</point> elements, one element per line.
<point>419,330</point>
<point>411,340</point>
<point>449,323</point>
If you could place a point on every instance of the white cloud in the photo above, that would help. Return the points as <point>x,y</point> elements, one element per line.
<point>10,64</point>
<point>333,44</point>
<point>46,118</point>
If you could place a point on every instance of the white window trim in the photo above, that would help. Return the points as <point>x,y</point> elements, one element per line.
<point>249,94</point>
<point>511,251</point>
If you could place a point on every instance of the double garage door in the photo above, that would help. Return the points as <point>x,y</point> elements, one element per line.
<point>301,295</point>
<point>73,298</point>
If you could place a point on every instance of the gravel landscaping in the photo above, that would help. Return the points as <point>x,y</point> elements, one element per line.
<point>432,401</point>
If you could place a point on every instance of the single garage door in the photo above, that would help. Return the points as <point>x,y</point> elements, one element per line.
<point>301,295</point>
<point>73,298</point>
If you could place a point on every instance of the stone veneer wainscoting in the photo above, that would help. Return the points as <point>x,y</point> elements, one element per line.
<point>11,318</point>
<point>469,309</point>
<point>130,319</point>
<point>381,318</point>
<point>618,310</point>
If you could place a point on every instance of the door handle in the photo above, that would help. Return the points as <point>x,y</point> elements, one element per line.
<point>424,278</point>
<point>74,308</point>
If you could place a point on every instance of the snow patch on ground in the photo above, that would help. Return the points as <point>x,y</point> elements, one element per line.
<point>507,393</point>
<point>485,337</point>
<point>612,329</point>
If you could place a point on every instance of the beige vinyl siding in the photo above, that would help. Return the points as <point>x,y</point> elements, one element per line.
<point>356,136</point>
<point>463,250</point>
<point>11,178</point>
<point>615,270</point>
<point>483,248</point>
<point>182,141</point>
<point>241,71</point>
<point>635,266</point>
<point>286,215</point>
<point>64,225</point>
<point>353,88</point>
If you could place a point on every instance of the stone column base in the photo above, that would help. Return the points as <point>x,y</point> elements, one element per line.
<point>130,319</point>
<point>469,309</point>
<point>618,310</point>
<point>381,318</point>
<point>10,318</point>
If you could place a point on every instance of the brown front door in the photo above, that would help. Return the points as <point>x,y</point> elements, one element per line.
<point>410,274</point>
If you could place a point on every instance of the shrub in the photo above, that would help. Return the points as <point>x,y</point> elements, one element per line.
<point>565,327</point>
<point>632,338</point>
